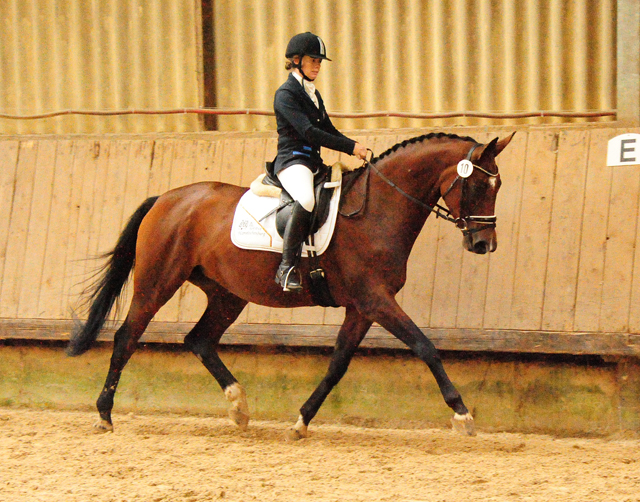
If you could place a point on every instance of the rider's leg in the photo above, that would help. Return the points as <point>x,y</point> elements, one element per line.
<point>297,180</point>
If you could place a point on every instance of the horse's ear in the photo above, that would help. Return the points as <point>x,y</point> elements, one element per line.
<point>495,146</point>
<point>488,150</point>
<point>502,144</point>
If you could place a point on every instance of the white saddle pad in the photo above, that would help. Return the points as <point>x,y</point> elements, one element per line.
<point>251,230</point>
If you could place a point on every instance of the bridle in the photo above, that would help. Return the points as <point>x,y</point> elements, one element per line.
<point>442,212</point>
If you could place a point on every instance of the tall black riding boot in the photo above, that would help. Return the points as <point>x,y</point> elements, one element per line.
<point>295,234</point>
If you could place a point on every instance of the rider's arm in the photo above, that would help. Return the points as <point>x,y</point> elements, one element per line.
<point>359,150</point>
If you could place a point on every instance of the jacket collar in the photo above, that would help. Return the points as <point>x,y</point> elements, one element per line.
<point>295,85</point>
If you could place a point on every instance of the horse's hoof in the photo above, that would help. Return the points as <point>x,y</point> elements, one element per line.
<point>239,412</point>
<point>239,418</point>
<point>103,426</point>
<point>295,435</point>
<point>299,431</point>
<point>463,424</point>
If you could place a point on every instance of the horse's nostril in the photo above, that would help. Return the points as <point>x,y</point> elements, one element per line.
<point>481,247</point>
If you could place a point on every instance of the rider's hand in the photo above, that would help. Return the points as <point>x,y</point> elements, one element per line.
<point>360,151</point>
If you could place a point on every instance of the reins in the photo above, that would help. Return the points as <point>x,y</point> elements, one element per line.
<point>437,209</point>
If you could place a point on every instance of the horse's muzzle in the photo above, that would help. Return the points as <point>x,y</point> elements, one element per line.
<point>481,241</point>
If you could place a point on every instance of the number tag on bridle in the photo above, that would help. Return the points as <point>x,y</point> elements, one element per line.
<point>465,168</point>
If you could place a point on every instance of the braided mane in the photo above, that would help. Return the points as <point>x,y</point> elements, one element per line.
<point>418,139</point>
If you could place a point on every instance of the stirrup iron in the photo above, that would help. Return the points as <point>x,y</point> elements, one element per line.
<point>289,279</point>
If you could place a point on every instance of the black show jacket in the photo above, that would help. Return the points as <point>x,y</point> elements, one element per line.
<point>303,128</point>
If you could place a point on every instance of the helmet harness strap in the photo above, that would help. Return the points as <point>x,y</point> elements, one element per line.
<point>299,67</point>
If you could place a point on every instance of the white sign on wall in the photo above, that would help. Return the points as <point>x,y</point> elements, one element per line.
<point>624,150</point>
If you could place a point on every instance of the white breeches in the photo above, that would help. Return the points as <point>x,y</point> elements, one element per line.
<point>298,181</point>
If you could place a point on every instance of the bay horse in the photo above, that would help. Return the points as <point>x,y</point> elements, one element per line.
<point>184,235</point>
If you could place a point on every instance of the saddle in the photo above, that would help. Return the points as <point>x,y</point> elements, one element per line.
<point>326,180</point>
<point>323,189</point>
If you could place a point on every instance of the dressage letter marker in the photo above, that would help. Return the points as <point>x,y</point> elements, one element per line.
<point>624,150</point>
<point>465,168</point>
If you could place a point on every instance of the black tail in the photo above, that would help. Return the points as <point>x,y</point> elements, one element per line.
<point>112,278</point>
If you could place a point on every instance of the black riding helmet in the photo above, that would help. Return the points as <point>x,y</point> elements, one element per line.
<point>306,44</point>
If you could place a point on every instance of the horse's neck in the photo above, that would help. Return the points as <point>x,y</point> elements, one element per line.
<point>417,176</point>
<point>406,217</point>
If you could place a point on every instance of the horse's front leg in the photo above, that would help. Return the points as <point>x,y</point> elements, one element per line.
<point>353,330</point>
<point>390,316</point>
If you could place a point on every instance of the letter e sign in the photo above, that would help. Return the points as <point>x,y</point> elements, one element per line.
<point>624,150</point>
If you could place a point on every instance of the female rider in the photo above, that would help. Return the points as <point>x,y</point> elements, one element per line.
<point>303,127</point>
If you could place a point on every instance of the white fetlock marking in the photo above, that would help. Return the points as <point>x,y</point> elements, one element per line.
<point>236,395</point>
<point>465,417</point>
<point>300,427</point>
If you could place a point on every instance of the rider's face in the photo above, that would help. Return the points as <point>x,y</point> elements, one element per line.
<point>311,66</point>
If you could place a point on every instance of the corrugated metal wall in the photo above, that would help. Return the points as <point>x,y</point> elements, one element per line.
<point>422,56</point>
<point>389,55</point>
<point>94,55</point>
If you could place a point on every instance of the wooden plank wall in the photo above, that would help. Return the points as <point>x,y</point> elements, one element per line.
<point>567,260</point>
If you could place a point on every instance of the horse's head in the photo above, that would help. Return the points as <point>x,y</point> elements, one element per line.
<point>469,189</point>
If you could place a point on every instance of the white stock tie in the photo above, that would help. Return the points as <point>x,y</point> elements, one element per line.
<point>311,91</point>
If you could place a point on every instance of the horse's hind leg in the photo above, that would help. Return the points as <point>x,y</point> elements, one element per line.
<point>353,330</point>
<point>125,342</point>
<point>150,293</point>
<point>222,310</point>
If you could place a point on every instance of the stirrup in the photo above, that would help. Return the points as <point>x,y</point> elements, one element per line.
<point>289,279</point>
